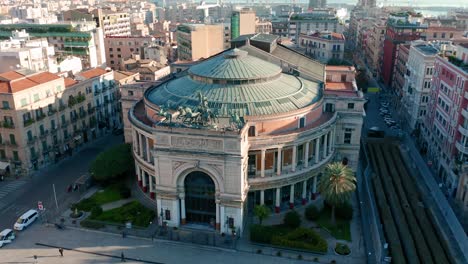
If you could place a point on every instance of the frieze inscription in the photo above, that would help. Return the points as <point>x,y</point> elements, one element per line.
<point>197,143</point>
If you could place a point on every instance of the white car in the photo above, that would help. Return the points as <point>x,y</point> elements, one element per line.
<point>6,237</point>
<point>26,219</point>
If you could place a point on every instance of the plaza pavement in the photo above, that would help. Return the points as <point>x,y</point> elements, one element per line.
<point>87,247</point>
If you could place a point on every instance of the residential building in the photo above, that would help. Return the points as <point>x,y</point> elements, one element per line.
<point>81,39</point>
<point>399,72</point>
<point>123,47</point>
<point>243,22</point>
<point>374,47</point>
<point>45,116</point>
<point>156,53</point>
<point>113,23</point>
<point>443,33</point>
<point>196,41</point>
<point>280,27</point>
<point>445,132</point>
<point>270,151</point>
<point>22,52</point>
<point>401,28</point>
<point>148,70</point>
<point>263,26</point>
<point>417,87</point>
<point>367,3</point>
<point>323,46</point>
<point>311,22</point>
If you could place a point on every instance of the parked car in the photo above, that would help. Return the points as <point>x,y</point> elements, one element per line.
<point>26,220</point>
<point>6,237</point>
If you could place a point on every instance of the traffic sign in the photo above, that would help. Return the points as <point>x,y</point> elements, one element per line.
<point>40,206</point>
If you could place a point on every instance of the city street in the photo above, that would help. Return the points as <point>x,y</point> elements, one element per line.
<point>96,247</point>
<point>17,196</point>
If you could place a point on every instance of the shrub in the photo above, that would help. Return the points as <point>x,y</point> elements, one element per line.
<point>113,164</point>
<point>264,234</point>
<point>86,204</point>
<point>125,192</point>
<point>292,219</point>
<point>342,249</point>
<point>302,238</point>
<point>91,224</point>
<point>312,212</point>
<point>96,211</point>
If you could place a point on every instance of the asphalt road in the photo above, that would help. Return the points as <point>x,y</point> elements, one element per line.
<point>39,187</point>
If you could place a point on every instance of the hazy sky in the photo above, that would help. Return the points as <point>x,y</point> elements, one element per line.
<point>416,3</point>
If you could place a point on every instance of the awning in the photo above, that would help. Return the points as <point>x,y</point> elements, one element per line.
<point>77,138</point>
<point>4,165</point>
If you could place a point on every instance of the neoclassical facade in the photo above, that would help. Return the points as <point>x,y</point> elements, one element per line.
<point>239,129</point>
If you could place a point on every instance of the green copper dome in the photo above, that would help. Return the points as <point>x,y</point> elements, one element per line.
<point>235,81</point>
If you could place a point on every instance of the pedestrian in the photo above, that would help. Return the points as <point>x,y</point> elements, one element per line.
<point>61,252</point>
<point>122,257</point>
<point>123,234</point>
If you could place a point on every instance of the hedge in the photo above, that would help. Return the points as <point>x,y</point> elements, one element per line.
<point>264,234</point>
<point>302,238</point>
<point>342,249</point>
<point>311,212</point>
<point>91,224</point>
<point>292,219</point>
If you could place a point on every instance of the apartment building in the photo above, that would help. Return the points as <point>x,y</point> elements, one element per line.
<point>311,22</point>
<point>401,28</point>
<point>196,41</point>
<point>323,46</point>
<point>374,47</point>
<point>417,87</point>
<point>446,130</point>
<point>112,23</point>
<point>243,22</point>
<point>22,52</point>
<point>45,116</point>
<point>122,47</point>
<point>80,39</point>
<point>399,71</point>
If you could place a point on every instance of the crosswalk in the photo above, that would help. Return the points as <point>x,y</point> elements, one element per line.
<point>8,188</point>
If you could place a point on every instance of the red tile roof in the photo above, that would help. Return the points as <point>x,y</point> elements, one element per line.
<point>69,82</point>
<point>12,82</point>
<point>340,89</point>
<point>93,73</point>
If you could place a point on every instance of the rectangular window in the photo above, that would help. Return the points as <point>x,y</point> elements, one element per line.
<point>15,155</point>
<point>302,122</point>
<point>5,105</point>
<point>36,97</point>
<point>2,154</point>
<point>24,102</point>
<point>347,136</point>
<point>350,105</point>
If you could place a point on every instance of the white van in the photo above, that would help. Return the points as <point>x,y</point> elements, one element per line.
<point>6,237</point>
<point>26,219</point>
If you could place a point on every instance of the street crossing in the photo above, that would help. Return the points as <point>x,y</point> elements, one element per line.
<point>7,188</point>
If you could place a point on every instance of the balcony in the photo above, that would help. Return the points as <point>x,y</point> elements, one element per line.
<point>32,140</point>
<point>28,122</point>
<point>9,125</point>
<point>463,130</point>
<point>64,124</point>
<point>466,95</point>
<point>44,134</point>
<point>464,113</point>
<point>40,117</point>
<point>51,112</point>
<point>74,119</point>
<point>461,148</point>
<point>62,107</point>
<point>91,110</point>
<point>97,92</point>
<point>82,114</point>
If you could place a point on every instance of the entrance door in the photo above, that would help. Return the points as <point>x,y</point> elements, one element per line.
<point>200,203</point>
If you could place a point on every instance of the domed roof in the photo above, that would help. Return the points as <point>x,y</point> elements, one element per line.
<point>236,65</point>
<point>235,81</point>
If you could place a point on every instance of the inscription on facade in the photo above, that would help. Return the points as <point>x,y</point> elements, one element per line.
<point>162,140</point>
<point>197,143</point>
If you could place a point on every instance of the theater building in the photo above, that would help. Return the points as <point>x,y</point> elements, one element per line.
<point>252,125</point>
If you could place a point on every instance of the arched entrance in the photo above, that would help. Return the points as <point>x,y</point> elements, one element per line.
<point>200,203</point>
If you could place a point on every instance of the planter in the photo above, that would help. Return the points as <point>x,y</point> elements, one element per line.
<point>342,249</point>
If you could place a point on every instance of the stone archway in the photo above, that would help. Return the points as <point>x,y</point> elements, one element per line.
<point>200,204</point>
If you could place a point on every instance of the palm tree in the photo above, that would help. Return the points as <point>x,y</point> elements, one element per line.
<point>262,212</point>
<point>336,185</point>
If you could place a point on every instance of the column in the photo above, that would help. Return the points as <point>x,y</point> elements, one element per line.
<point>151,188</point>
<point>218,226</point>
<point>222,219</point>
<point>306,155</point>
<point>135,141</point>
<point>148,156</point>
<point>291,197</point>
<point>182,208</point>
<point>138,172</point>
<point>314,188</point>
<point>333,138</point>
<point>330,142</point>
<point>140,138</point>
<point>280,162</point>
<point>277,200</point>
<point>262,197</point>
<point>304,192</point>
<point>262,165</point>
<point>294,154</point>
<point>325,147</point>
<point>317,143</point>
<point>145,187</point>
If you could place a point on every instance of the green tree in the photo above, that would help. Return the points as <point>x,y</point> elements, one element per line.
<point>114,163</point>
<point>262,212</point>
<point>337,185</point>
